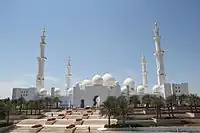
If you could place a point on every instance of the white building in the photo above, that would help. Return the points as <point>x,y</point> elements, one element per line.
<point>179,89</point>
<point>94,92</point>
<point>27,93</point>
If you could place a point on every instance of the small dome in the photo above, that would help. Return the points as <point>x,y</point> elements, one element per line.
<point>43,92</point>
<point>57,92</point>
<point>69,91</point>
<point>129,82</point>
<point>57,89</point>
<point>86,82</point>
<point>117,83</point>
<point>140,89</point>
<point>97,80</point>
<point>156,89</point>
<point>108,80</point>
<point>123,89</point>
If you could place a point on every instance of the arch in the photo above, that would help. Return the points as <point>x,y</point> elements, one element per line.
<point>82,103</point>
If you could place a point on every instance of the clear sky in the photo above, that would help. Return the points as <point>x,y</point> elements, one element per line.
<point>100,36</point>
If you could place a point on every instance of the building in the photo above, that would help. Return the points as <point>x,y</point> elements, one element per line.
<point>94,92</point>
<point>179,89</point>
<point>162,88</point>
<point>27,93</point>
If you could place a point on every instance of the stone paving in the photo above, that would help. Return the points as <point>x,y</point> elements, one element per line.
<point>94,121</point>
<point>53,130</point>
<point>65,122</point>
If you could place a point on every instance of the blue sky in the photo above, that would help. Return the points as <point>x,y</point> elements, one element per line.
<point>100,36</point>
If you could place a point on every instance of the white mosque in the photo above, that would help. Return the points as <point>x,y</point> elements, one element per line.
<point>92,92</point>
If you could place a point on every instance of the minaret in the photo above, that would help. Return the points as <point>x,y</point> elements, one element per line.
<point>41,60</point>
<point>69,74</point>
<point>144,70</point>
<point>159,56</point>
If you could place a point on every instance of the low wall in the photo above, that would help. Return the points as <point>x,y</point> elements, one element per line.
<point>155,129</point>
<point>4,129</point>
<point>193,115</point>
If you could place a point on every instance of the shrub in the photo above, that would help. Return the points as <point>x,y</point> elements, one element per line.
<point>51,119</point>
<point>61,115</point>
<point>4,124</point>
<point>122,126</point>
<point>85,114</point>
<point>36,126</point>
<point>78,119</point>
<point>71,126</point>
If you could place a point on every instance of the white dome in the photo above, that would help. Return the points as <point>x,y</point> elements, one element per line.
<point>57,89</point>
<point>57,92</point>
<point>43,92</point>
<point>70,91</point>
<point>108,80</point>
<point>117,83</point>
<point>123,89</point>
<point>157,89</point>
<point>129,82</point>
<point>86,82</point>
<point>140,89</point>
<point>97,80</point>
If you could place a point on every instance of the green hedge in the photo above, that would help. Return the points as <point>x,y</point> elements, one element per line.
<point>122,126</point>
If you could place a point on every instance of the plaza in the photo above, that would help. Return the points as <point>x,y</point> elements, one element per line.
<point>94,121</point>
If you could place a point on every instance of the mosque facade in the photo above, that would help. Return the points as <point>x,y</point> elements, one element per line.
<point>94,91</point>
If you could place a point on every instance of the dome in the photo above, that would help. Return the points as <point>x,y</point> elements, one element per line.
<point>140,89</point>
<point>129,82</point>
<point>43,92</point>
<point>57,92</point>
<point>156,89</point>
<point>70,91</point>
<point>108,80</point>
<point>57,89</point>
<point>97,80</point>
<point>86,82</point>
<point>123,89</point>
<point>117,83</point>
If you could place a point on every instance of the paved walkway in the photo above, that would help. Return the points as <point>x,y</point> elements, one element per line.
<point>94,121</point>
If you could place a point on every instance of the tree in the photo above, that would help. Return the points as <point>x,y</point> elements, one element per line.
<point>192,101</point>
<point>57,101</point>
<point>171,101</point>
<point>122,107</point>
<point>5,109</point>
<point>182,99</point>
<point>31,105</point>
<point>146,100</point>
<point>21,102</point>
<point>134,99</point>
<point>157,102</point>
<point>108,108</point>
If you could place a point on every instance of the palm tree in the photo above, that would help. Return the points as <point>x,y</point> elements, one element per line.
<point>14,102</point>
<point>6,109</point>
<point>134,99</point>
<point>27,106</point>
<point>182,99</point>
<point>41,105</point>
<point>192,101</point>
<point>21,101</point>
<point>146,100</point>
<point>57,101</point>
<point>157,102</point>
<point>108,108</point>
<point>122,107</point>
<point>31,105</point>
<point>170,102</point>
